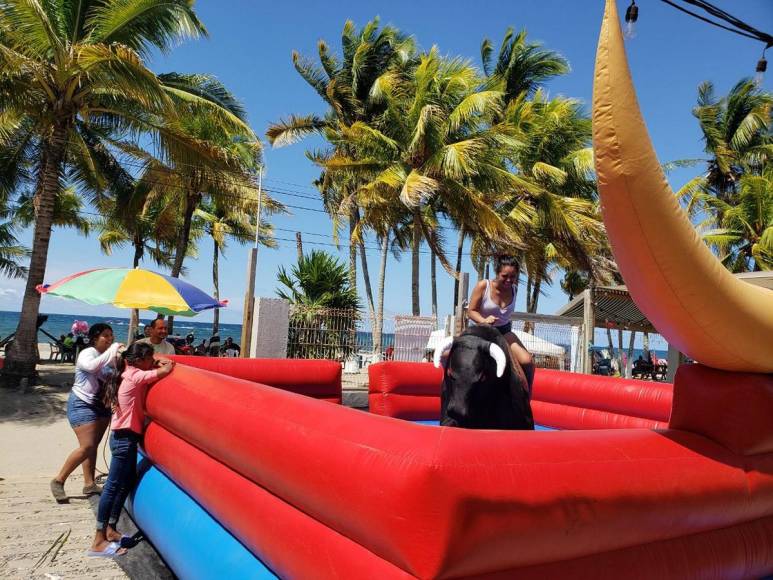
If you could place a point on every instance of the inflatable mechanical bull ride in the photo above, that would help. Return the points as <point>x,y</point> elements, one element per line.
<point>258,471</point>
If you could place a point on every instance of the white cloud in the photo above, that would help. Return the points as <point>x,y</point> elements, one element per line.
<point>8,292</point>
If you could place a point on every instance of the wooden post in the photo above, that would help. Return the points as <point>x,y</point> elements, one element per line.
<point>249,303</point>
<point>459,312</point>
<point>252,265</point>
<point>588,329</point>
<point>675,358</point>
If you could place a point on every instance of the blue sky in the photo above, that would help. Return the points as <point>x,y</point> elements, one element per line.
<point>249,49</point>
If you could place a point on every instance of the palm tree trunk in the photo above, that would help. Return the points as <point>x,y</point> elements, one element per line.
<point>368,290</point>
<point>416,244</point>
<point>620,352</point>
<point>378,326</point>
<point>22,356</point>
<point>436,249</point>
<point>134,317</point>
<point>629,362</point>
<point>353,218</point>
<point>299,245</point>
<point>191,201</point>
<point>433,276</point>
<point>611,342</point>
<point>365,273</point>
<point>216,284</point>
<point>459,247</point>
<point>533,298</point>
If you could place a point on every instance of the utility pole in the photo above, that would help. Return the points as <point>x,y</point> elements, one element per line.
<point>252,264</point>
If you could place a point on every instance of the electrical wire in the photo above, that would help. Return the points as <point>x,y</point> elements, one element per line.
<point>741,27</point>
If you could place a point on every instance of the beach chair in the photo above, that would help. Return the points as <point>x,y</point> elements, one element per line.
<point>56,351</point>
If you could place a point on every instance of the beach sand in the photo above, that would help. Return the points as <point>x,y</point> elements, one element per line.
<point>40,538</point>
<point>35,437</point>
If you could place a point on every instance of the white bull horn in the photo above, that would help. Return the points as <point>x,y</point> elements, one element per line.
<point>499,356</point>
<point>442,349</point>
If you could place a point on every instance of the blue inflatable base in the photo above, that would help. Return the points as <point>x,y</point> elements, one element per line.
<point>192,543</point>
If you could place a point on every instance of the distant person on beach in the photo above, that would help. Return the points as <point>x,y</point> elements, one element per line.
<point>157,339</point>
<point>138,370</point>
<point>493,302</point>
<point>214,345</point>
<point>230,348</point>
<point>86,412</point>
<point>201,350</point>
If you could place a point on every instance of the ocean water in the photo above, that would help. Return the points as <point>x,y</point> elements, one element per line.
<point>58,324</point>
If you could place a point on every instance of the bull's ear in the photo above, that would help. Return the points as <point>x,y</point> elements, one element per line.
<point>442,350</point>
<point>499,356</point>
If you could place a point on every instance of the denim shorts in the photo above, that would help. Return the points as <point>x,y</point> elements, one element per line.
<point>505,328</point>
<point>80,412</point>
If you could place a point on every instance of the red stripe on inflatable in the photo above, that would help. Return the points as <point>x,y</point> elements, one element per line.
<point>288,541</point>
<point>736,552</point>
<point>451,502</point>
<point>569,417</point>
<point>320,379</point>
<point>645,399</point>
<point>560,399</point>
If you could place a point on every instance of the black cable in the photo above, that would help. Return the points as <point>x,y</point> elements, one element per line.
<point>746,30</point>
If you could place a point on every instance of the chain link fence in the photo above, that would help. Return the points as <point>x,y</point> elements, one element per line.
<point>553,341</point>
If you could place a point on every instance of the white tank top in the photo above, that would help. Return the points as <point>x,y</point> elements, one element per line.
<point>490,308</point>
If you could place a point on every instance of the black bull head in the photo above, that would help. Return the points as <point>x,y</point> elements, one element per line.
<point>480,389</point>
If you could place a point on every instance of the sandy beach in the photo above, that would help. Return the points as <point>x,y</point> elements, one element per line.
<point>40,538</point>
<point>43,539</point>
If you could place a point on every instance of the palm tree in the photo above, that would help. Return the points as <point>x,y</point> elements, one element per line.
<point>431,148</point>
<point>71,76</point>
<point>744,238</point>
<point>350,88</point>
<point>11,252</point>
<point>521,67</point>
<point>148,226</point>
<point>732,198</point>
<point>737,136</point>
<point>224,218</point>
<point>323,320</point>
<point>564,224</point>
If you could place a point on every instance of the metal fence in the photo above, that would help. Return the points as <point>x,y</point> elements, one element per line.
<point>553,341</point>
<point>322,333</point>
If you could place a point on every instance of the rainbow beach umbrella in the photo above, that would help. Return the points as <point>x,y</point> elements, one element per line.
<point>133,288</point>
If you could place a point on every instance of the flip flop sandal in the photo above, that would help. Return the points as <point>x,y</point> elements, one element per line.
<point>110,552</point>
<point>57,490</point>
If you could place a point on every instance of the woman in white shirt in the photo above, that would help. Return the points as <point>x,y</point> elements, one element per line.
<point>86,412</point>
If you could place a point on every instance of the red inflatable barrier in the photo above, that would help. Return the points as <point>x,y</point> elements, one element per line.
<point>288,541</point>
<point>444,502</point>
<point>320,379</point>
<point>562,400</point>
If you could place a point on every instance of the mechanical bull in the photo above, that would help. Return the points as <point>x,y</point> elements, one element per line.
<point>481,390</point>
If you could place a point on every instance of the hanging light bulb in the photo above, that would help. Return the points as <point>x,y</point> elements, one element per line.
<point>762,66</point>
<point>631,16</point>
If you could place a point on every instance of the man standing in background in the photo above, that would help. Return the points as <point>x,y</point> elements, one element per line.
<point>157,338</point>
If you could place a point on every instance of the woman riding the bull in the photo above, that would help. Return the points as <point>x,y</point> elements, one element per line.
<point>493,302</point>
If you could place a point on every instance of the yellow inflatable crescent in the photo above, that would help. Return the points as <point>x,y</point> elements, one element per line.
<point>675,280</point>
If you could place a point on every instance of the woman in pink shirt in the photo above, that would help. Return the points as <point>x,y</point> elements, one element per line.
<point>138,371</point>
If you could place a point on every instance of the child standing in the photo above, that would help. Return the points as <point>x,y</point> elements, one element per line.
<point>138,370</point>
